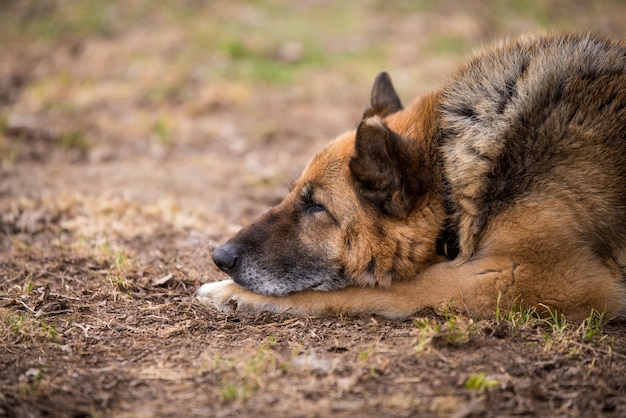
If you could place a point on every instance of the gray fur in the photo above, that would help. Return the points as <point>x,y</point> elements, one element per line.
<point>511,122</point>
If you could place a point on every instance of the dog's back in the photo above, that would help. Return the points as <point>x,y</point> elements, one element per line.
<point>540,117</point>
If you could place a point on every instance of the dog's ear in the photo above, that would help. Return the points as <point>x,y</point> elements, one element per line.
<point>388,170</point>
<point>384,100</point>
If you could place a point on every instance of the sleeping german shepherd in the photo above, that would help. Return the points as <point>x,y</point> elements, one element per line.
<point>504,189</point>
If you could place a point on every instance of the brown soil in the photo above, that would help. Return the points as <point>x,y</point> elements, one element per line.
<point>114,189</point>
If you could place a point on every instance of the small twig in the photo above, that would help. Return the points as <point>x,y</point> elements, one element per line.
<point>41,312</point>
<point>27,307</point>
<point>85,328</point>
<point>64,296</point>
<point>278,323</point>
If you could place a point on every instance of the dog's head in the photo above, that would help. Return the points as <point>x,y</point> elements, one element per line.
<point>365,210</point>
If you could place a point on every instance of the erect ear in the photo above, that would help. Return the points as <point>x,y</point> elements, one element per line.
<point>384,99</point>
<point>388,171</point>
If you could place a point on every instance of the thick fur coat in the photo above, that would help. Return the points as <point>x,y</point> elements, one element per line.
<point>505,188</point>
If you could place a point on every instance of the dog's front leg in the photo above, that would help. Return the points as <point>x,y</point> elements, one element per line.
<point>228,297</point>
<point>472,286</point>
<point>395,302</point>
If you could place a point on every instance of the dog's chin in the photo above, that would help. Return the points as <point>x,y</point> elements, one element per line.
<point>282,286</point>
<point>265,288</point>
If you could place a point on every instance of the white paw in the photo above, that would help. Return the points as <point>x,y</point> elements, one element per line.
<point>222,294</point>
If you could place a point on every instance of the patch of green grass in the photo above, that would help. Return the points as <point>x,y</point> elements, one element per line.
<point>406,6</point>
<point>163,131</point>
<point>457,329</point>
<point>423,324</point>
<point>49,330</point>
<point>34,377</point>
<point>423,342</point>
<point>364,355</point>
<point>556,326</point>
<point>450,44</point>
<point>275,43</point>
<point>273,48</point>
<point>535,326</point>
<point>551,329</point>
<point>9,150</point>
<point>15,322</point>
<point>120,264</point>
<point>592,327</point>
<point>518,317</point>
<point>271,60</point>
<point>278,43</point>
<point>55,19</point>
<point>538,11</point>
<point>230,391</point>
<point>23,326</point>
<point>74,140</point>
<point>480,382</point>
<point>20,245</point>
<point>451,329</point>
<point>29,286</point>
<point>239,378</point>
<point>556,320</point>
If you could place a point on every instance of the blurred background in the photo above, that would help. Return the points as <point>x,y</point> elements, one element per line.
<point>217,105</point>
<point>137,135</point>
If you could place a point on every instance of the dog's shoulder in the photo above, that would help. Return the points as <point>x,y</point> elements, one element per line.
<point>516,77</point>
<point>502,112</point>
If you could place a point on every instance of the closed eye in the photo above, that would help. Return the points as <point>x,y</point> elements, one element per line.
<point>311,205</point>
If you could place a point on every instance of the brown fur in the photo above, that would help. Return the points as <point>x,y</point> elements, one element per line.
<point>521,156</point>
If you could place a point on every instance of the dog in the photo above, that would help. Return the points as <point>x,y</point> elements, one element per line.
<point>504,189</point>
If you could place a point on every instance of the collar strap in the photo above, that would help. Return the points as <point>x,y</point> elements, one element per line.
<point>448,242</point>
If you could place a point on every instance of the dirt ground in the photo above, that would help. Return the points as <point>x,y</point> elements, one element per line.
<point>134,139</point>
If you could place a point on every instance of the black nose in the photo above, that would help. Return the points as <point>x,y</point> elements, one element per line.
<point>226,257</point>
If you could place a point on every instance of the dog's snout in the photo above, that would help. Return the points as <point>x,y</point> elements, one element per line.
<point>226,257</point>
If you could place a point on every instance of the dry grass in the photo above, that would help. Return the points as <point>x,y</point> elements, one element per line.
<point>133,139</point>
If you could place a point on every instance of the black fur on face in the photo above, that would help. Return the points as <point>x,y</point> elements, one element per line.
<point>270,256</point>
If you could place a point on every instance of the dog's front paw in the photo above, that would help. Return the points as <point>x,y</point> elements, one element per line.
<point>222,294</point>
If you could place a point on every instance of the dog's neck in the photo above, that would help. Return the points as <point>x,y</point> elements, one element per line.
<point>423,126</point>
<point>448,240</point>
